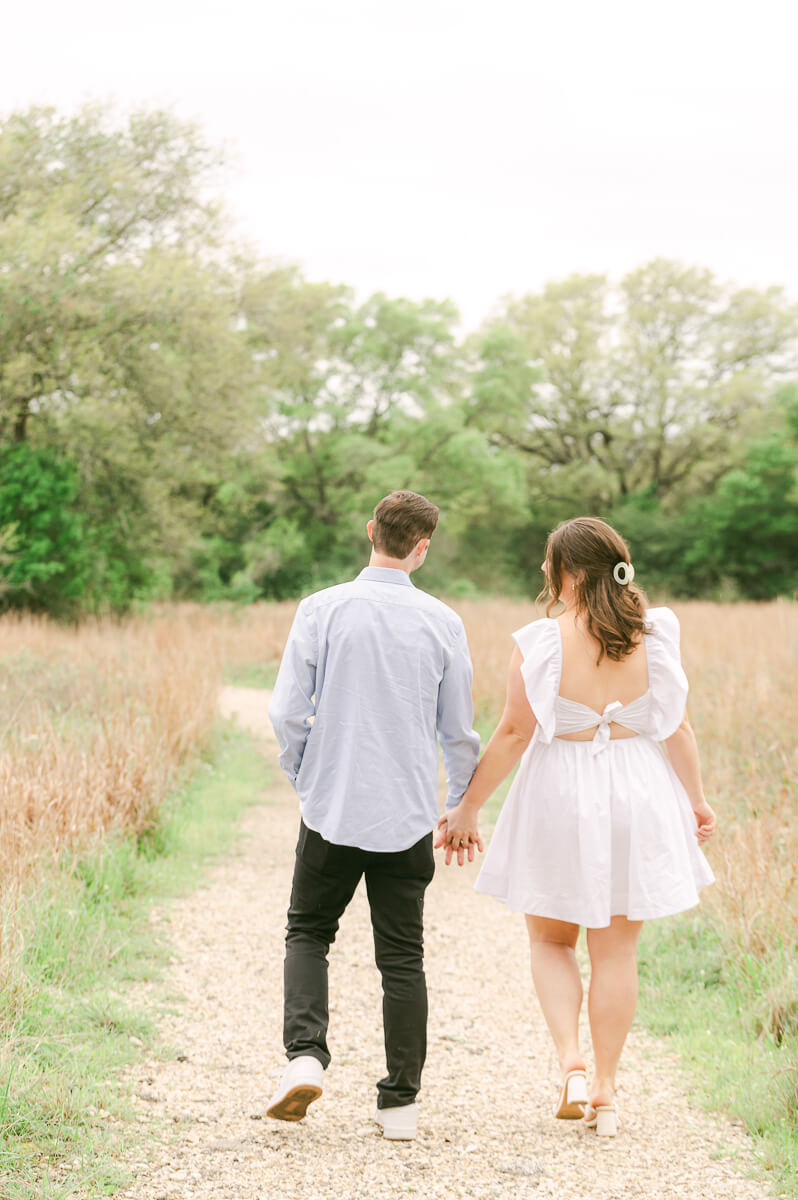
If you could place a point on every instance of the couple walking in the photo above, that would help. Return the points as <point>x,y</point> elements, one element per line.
<point>600,828</point>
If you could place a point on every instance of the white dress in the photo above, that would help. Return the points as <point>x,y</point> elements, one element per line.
<point>595,829</point>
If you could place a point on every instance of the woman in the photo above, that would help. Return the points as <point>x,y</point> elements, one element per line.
<point>600,828</point>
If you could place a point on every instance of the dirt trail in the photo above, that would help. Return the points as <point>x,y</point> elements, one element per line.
<point>490,1080</point>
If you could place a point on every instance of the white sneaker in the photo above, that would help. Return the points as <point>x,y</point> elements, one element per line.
<point>299,1086</point>
<point>398,1124</point>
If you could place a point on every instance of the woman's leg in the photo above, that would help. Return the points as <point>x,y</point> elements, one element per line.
<point>558,984</point>
<point>612,998</point>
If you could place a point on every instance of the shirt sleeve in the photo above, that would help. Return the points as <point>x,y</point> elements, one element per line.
<point>458,739</point>
<point>293,699</point>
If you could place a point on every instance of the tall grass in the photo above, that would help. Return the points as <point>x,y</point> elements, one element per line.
<point>96,720</point>
<point>742,662</point>
<point>97,726</point>
<point>95,723</point>
<point>65,1125</point>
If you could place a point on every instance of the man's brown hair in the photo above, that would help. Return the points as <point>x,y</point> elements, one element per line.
<point>401,520</point>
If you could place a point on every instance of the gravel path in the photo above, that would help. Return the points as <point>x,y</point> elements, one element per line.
<point>490,1079</point>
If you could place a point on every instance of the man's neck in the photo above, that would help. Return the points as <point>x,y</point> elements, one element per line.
<point>394,564</point>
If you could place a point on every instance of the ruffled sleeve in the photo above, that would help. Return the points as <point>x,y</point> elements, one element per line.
<point>541,668</point>
<point>666,677</point>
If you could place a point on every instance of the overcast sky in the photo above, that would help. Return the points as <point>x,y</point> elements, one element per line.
<point>464,149</point>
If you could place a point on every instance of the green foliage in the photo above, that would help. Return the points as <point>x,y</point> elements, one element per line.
<point>740,540</point>
<point>718,1010</point>
<point>748,527</point>
<point>648,387</point>
<point>231,424</point>
<point>55,559</point>
<point>118,347</point>
<point>46,565</point>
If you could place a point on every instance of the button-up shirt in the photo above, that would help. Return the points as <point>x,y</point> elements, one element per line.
<point>373,670</point>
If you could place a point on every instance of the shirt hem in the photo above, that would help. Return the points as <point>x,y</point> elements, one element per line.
<point>364,843</point>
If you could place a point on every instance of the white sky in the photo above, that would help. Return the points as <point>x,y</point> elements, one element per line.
<point>463,149</point>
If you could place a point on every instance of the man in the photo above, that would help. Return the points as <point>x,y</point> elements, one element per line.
<point>372,671</point>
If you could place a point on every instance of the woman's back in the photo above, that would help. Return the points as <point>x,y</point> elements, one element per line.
<point>586,681</point>
<point>596,822</point>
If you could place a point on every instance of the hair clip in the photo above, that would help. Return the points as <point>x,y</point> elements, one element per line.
<point>623,573</point>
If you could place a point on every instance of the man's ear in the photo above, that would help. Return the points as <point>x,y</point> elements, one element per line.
<point>369,528</point>
<point>422,546</point>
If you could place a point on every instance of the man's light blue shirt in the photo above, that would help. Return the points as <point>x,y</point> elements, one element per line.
<point>374,673</point>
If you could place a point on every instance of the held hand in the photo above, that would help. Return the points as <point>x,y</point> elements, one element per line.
<point>458,831</point>
<point>706,821</point>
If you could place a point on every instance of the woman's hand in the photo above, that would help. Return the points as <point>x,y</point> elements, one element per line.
<point>706,820</point>
<point>458,831</point>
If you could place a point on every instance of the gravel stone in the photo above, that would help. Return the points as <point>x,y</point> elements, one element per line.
<point>485,1129</point>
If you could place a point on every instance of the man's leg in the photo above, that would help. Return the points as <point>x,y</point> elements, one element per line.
<point>396,884</point>
<point>325,878</point>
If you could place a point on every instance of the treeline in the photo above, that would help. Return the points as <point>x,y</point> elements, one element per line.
<point>179,418</point>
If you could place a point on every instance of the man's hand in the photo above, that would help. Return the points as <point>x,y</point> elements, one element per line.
<point>458,831</point>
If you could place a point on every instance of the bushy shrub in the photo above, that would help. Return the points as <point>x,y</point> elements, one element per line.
<point>46,561</point>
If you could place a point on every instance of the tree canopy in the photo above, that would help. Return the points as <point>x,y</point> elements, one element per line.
<point>179,417</point>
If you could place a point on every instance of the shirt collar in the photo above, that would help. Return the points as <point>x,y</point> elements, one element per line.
<point>386,575</point>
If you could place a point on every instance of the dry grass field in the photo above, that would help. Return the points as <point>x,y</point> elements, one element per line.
<point>93,724</point>
<point>99,723</point>
<point>742,662</point>
<point>95,721</point>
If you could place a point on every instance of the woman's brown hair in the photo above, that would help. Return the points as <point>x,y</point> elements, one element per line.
<point>614,613</point>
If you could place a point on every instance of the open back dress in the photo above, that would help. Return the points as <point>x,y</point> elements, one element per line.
<point>599,828</point>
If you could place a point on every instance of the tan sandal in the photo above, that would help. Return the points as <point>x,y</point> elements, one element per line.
<point>571,1103</point>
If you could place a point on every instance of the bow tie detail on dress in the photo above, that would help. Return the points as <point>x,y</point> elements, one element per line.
<point>601,737</point>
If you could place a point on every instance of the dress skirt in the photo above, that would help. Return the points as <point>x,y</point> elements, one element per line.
<point>583,837</point>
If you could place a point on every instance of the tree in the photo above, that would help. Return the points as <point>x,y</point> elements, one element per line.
<point>698,363</point>
<point>747,530</point>
<point>176,416</point>
<point>650,388</point>
<point>82,207</point>
<point>342,391</point>
<point>119,344</point>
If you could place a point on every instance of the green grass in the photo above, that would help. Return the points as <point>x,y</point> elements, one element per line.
<point>66,1027</point>
<point>717,1010</point>
<point>252,674</point>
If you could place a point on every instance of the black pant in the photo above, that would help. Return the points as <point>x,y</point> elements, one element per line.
<point>325,878</point>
